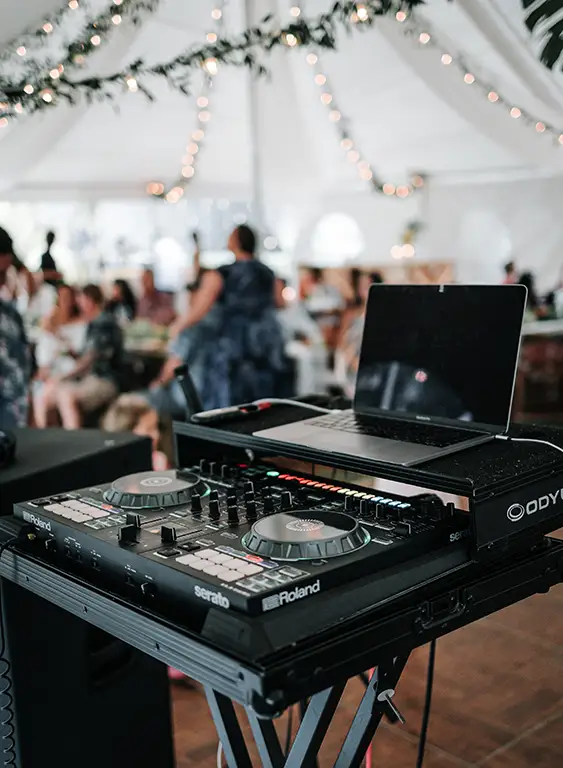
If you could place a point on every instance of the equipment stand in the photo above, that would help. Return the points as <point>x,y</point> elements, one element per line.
<point>376,702</point>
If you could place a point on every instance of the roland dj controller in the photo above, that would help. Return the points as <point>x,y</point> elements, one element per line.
<point>239,538</point>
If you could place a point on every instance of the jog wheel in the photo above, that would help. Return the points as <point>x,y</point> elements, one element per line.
<point>146,490</point>
<point>305,534</point>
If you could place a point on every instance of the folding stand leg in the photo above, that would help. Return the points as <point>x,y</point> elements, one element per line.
<point>313,728</point>
<point>228,729</point>
<point>267,741</point>
<point>375,703</point>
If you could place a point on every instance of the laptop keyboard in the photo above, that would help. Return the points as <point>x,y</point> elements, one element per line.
<point>403,431</point>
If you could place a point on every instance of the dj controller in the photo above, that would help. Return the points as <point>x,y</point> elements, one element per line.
<point>241,538</point>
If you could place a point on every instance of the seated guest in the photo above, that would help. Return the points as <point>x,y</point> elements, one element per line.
<point>15,356</point>
<point>154,305</point>
<point>123,302</point>
<point>510,274</point>
<point>93,381</point>
<point>132,413</point>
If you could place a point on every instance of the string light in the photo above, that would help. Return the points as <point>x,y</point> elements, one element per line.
<point>18,108</point>
<point>418,29</point>
<point>47,96</point>
<point>131,84</point>
<point>29,89</point>
<point>290,40</point>
<point>192,150</point>
<point>96,40</point>
<point>47,28</point>
<point>73,5</point>
<point>362,12</point>
<point>21,50</point>
<point>55,74</point>
<point>3,122</point>
<point>116,19</point>
<point>353,154</point>
<point>295,11</point>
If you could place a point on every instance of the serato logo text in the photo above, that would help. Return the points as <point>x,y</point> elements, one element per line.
<point>212,597</point>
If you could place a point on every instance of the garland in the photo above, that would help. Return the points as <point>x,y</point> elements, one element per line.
<point>40,83</point>
<point>244,50</point>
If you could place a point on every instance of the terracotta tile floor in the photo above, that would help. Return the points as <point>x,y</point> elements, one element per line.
<point>498,700</point>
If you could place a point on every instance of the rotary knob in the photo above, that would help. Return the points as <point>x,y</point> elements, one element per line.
<point>232,515</point>
<point>269,506</point>
<point>349,503</point>
<point>132,518</point>
<point>248,486</point>
<point>212,468</point>
<point>251,514</point>
<point>225,472</point>
<point>196,504</point>
<point>203,464</point>
<point>365,507</point>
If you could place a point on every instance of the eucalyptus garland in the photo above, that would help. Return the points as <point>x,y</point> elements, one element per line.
<point>247,49</point>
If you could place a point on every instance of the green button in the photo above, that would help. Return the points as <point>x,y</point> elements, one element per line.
<point>273,474</point>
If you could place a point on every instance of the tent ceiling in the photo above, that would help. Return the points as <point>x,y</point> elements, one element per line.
<point>408,112</point>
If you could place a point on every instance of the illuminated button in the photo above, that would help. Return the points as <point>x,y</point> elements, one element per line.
<point>343,490</point>
<point>188,560</point>
<point>214,556</point>
<point>56,508</point>
<point>196,563</point>
<point>248,569</point>
<point>224,560</point>
<point>97,513</point>
<point>211,569</point>
<point>272,474</point>
<point>73,504</point>
<point>78,517</point>
<point>227,575</point>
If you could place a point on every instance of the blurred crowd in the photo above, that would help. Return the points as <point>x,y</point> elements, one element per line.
<point>71,356</point>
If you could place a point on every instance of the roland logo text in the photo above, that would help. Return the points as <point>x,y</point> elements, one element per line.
<point>29,517</point>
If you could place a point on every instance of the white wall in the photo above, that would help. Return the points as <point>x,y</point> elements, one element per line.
<point>482,226</point>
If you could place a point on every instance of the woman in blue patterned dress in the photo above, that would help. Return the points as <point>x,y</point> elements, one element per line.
<point>247,354</point>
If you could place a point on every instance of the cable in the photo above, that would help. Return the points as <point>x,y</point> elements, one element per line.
<point>297,403</point>
<point>528,440</point>
<point>427,705</point>
<point>219,755</point>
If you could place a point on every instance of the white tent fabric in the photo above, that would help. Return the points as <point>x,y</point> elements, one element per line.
<point>409,113</point>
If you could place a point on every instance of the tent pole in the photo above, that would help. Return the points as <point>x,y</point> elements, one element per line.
<point>252,15</point>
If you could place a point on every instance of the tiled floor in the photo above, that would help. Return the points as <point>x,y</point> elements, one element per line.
<point>498,700</point>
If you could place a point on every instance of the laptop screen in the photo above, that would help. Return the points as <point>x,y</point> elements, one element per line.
<point>441,352</point>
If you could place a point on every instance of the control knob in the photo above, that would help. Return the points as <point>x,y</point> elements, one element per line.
<point>286,500</point>
<point>127,535</point>
<point>168,534</point>
<point>214,512</point>
<point>248,487</point>
<point>232,515</point>
<point>225,472</point>
<point>269,506</point>
<point>251,514</point>
<point>203,466</point>
<point>212,468</point>
<point>196,503</point>
<point>349,503</point>
<point>132,518</point>
<point>365,507</point>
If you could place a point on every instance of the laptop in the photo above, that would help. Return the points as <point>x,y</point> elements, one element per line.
<point>436,375</point>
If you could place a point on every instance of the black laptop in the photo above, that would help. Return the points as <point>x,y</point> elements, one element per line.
<point>436,374</point>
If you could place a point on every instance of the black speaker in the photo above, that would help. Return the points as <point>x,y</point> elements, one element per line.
<point>50,461</point>
<point>82,698</point>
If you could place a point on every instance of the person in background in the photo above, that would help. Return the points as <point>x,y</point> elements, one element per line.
<point>534,307</point>
<point>154,305</point>
<point>123,302</point>
<point>93,381</point>
<point>323,302</point>
<point>350,340</point>
<point>48,268</point>
<point>132,413</point>
<point>510,274</point>
<point>15,355</point>
<point>246,352</point>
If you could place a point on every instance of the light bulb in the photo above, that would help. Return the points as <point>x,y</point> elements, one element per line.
<point>417,181</point>
<point>326,98</point>
<point>198,135</point>
<point>402,191</point>
<point>366,174</point>
<point>96,40</point>
<point>492,96</point>
<point>320,79</point>
<point>117,2</point>
<point>469,78</point>
<point>515,113</point>
<point>211,66</point>
<point>540,127</point>
<point>397,252</point>
<point>47,28</point>
<point>54,74</point>
<point>19,109</point>
<point>295,11</point>
<point>353,156</point>
<point>193,148</point>
<point>202,101</point>
<point>188,171</point>
<point>216,14</point>
<point>29,88</point>
<point>408,250</point>
<point>131,84</point>
<point>211,37</point>
<point>424,38</point>
<point>188,160</point>
<point>61,69</point>
<point>116,19</point>
<point>362,12</point>
<point>560,138</point>
<point>334,115</point>
<point>389,189</point>
<point>346,144</point>
<point>401,16</point>
<point>446,59</point>
<point>363,164</point>
<point>73,5</point>
<point>312,58</point>
<point>290,40</point>
<point>47,97</point>
<point>21,51</point>
<point>3,122</point>
<point>204,116</point>
<point>289,293</point>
